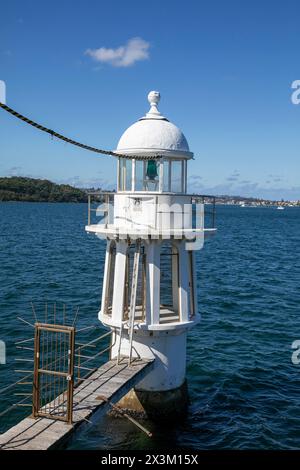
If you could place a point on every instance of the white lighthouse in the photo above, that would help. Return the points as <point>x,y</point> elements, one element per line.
<point>149,296</point>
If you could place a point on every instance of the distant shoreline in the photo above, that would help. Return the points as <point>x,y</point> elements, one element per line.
<point>23,189</point>
<point>230,204</point>
<point>42,202</point>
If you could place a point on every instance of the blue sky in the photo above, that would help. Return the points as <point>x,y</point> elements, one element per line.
<point>224,70</point>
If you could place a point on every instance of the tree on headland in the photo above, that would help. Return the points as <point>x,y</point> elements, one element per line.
<point>18,188</point>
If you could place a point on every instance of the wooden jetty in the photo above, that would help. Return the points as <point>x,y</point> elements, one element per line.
<point>111,381</point>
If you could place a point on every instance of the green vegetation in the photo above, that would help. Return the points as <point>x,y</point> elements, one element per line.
<point>37,190</point>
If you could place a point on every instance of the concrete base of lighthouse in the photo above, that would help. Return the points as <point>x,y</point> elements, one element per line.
<point>166,406</point>
<point>163,394</point>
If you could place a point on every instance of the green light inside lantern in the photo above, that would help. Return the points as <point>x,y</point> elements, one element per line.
<point>151,170</point>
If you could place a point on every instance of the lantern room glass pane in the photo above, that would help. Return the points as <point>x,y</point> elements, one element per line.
<point>176,176</point>
<point>125,176</point>
<point>140,175</point>
<point>166,176</point>
<point>121,180</point>
<point>128,175</point>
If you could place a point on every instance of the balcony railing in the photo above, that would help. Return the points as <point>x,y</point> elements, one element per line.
<point>101,205</point>
<point>210,209</point>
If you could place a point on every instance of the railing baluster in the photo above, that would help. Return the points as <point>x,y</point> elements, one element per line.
<point>89,209</point>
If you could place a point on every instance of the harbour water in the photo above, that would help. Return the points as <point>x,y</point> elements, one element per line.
<point>244,389</point>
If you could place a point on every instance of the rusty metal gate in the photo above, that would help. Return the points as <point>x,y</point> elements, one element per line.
<point>53,378</point>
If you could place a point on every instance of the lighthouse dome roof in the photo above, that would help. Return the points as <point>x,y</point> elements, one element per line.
<point>153,134</point>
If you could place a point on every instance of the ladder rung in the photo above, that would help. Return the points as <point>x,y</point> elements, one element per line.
<point>134,284</point>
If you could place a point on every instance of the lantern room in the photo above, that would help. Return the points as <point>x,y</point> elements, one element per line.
<point>153,135</point>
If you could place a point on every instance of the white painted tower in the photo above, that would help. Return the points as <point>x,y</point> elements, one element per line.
<point>149,295</point>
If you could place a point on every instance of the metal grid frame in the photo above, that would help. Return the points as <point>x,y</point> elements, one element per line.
<point>53,375</point>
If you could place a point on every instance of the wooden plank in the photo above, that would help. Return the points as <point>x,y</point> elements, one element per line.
<point>111,380</point>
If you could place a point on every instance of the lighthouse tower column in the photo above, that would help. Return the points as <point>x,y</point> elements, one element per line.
<point>153,281</point>
<point>149,296</point>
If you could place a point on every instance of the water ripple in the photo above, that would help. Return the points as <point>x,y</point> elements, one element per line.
<point>244,389</point>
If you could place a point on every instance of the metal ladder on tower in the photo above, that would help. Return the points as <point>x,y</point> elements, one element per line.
<point>134,285</point>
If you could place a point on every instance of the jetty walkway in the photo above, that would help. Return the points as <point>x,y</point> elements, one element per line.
<point>108,384</point>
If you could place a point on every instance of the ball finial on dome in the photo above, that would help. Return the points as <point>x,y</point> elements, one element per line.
<point>153,98</point>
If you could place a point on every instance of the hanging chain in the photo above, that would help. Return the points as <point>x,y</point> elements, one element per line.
<point>74,142</point>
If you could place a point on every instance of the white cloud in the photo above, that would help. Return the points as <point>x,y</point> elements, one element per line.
<point>232,178</point>
<point>246,188</point>
<point>196,177</point>
<point>15,171</point>
<point>124,56</point>
<point>92,182</point>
